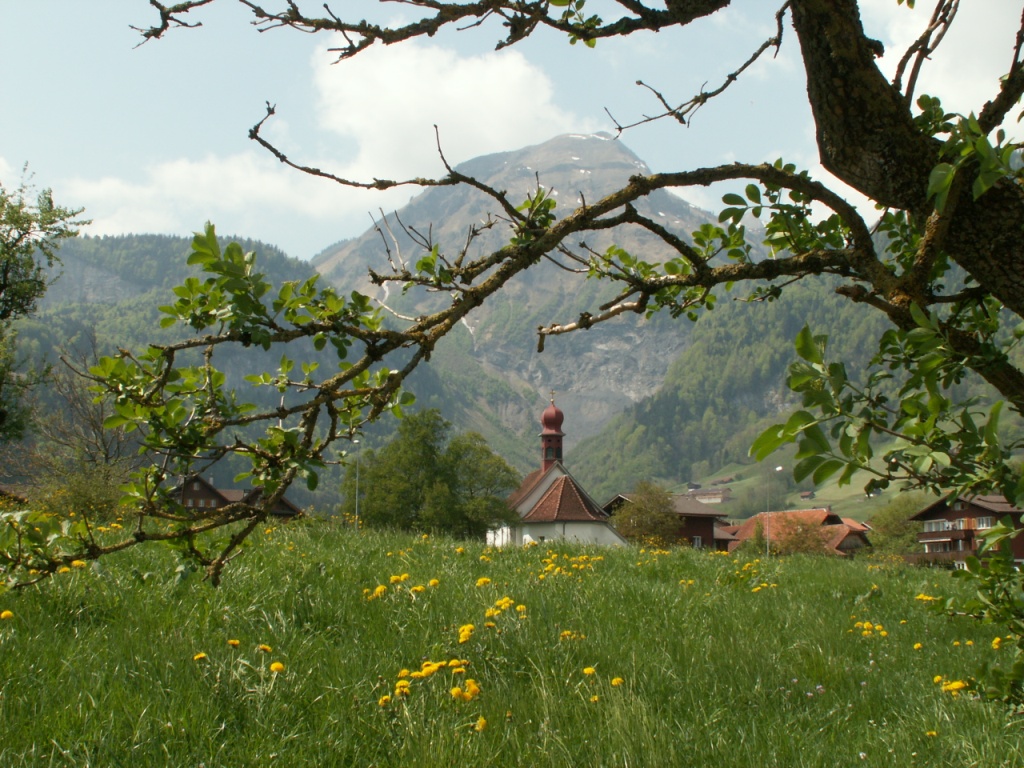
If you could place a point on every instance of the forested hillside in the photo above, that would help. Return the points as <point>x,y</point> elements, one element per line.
<point>658,399</point>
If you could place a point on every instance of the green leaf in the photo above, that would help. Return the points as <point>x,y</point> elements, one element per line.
<point>806,346</point>
<point>826,470</point>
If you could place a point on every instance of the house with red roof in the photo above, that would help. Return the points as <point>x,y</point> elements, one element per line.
<point>803,530</point>
<point>953,528</point>
<point>550,503</point>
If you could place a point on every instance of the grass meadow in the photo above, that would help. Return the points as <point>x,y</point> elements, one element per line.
<point>326,647</point>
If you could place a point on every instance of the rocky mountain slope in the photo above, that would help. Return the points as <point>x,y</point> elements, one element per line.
<point>595,374</point>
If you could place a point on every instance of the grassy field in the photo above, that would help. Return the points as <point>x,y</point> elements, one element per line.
<point>329,648</point>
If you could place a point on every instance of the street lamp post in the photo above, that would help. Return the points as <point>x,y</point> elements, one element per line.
<point>356,442</point>
<point>768,512</point>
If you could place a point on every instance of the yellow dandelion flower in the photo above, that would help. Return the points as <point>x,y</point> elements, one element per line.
<point>5,615</point>
<point>234,643</point>
<point>78,563</point>
<point>456,692</point>
<point>918,646</point>
<point>589,670</point>
<point>199,656</point>
<point>433,582</point>
<point>617,681</point>
<point>481,723</point>
<point>595,698</point>
<point>483,581</point>
<point>264,647</point>
<point>417,589</point>
<point>63,569</point>
<point>937,679</point>
<point>969,642</point>
<point>953,686</point>
<point>459,550</point>
<point>277,667</point>
<point>996,642</point>
<point>931,733</point>
<point>925,598</point>
<point>384,700</point>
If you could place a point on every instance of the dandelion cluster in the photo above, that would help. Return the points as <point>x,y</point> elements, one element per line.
<point>592,678</point>
<point>378,592</point>
<point>952,687</point>
<point>468,691</point>
<point>564,565</point>
<point>870,629</point>
<point>568,634</point>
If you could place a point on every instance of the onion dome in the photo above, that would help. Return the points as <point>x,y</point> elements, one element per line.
<point>551,420</point>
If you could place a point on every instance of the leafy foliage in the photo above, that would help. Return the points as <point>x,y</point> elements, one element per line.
<point>425,481</point>
<point>648,516</point>
<point>30,233</point>
<point>969,214</point>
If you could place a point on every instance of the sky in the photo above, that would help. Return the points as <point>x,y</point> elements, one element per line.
<point>153,138</point>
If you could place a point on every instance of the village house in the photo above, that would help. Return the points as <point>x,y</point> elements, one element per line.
<point>808,530</point>
<point>954,527</point>
<point>710,495</point>
<point>699,525</point>
<point>550,502</point>
<point>197,493</point>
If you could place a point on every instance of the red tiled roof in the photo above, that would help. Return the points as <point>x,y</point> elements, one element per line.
<point>525,487</point>
<point>834,529</point>
<point>806,517</point>
<point>839,533</point>
<point>565,502</point>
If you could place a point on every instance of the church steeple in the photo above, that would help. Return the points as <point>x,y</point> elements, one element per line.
<point>551,435</point>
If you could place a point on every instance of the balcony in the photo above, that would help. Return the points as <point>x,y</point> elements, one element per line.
<point>951,534</point>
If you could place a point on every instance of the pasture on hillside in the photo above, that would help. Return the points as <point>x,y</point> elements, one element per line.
<point>329,647</point>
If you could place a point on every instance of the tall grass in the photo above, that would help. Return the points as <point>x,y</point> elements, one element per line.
<point>697,659</point>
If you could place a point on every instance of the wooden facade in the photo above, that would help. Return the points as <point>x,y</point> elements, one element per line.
<point>197,493</point>
<point>953,528</point>
<point>701,526</point>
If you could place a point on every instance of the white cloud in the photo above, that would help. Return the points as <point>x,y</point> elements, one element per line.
<point>965,70</point>
<point>389,99</point>
<point>384,103</point>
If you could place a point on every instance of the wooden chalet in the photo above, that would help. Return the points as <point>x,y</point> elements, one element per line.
<point>699,524</point>
<point>820,528</point>
<point>198,493</point>
<point>954,527</point>
<point>550,503</point>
